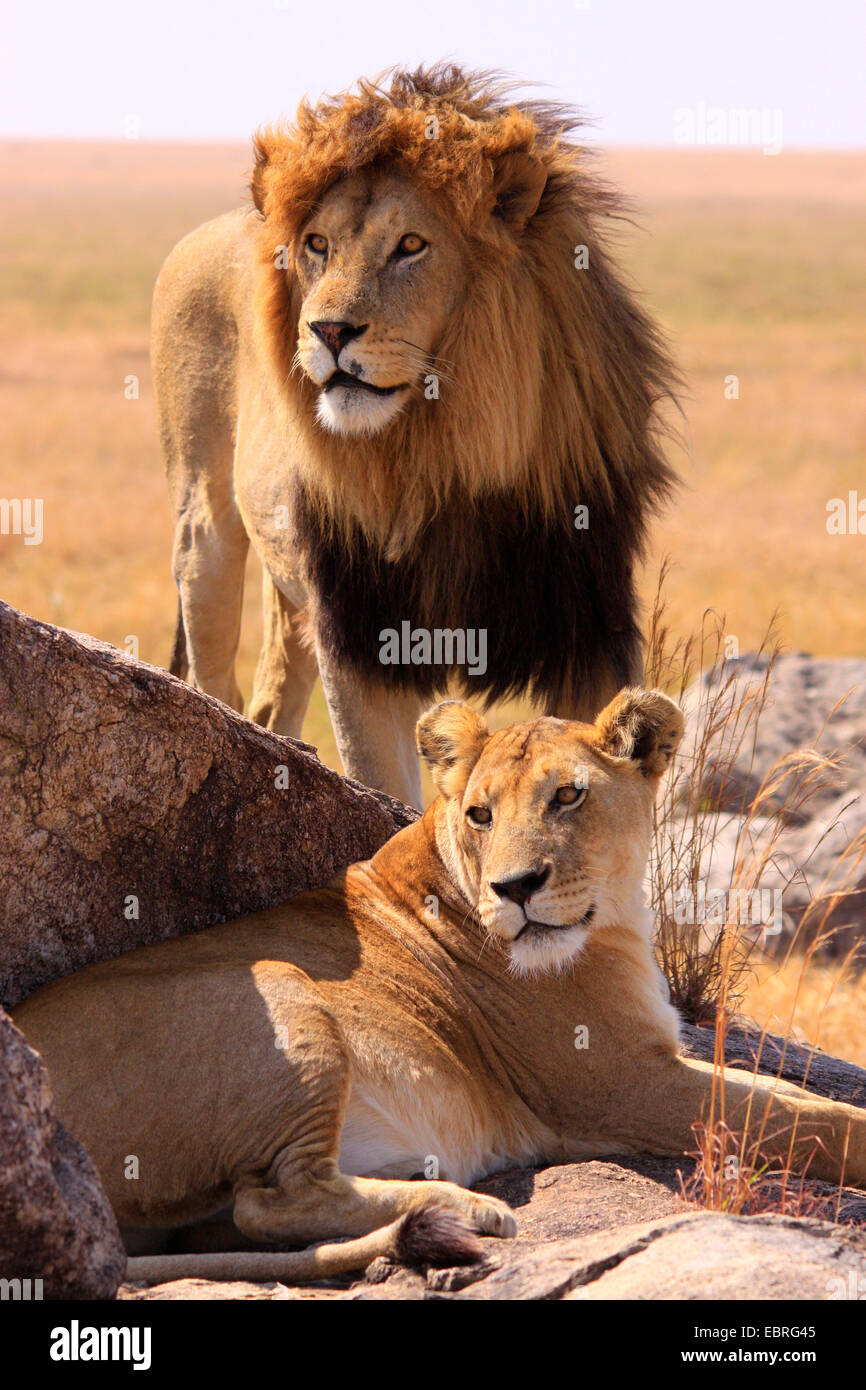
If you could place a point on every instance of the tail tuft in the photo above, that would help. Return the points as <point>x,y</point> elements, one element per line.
<point>179,663</point>
<point>436,1235</point>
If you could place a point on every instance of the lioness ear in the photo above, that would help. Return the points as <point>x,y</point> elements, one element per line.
<point>518,183</point>
<point>643,725</point>
<point>262,152</point>
<point>450,737</point>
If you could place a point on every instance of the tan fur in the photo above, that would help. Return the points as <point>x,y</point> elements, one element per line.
<point>300,1065</point>
<point>546,377</point>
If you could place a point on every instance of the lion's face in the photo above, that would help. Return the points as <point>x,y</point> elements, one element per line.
<point>546,825</point>
<point>380,272</point>
<point>549,374</point>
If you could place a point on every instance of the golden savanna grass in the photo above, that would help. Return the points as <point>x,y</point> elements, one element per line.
<point>753,265</point>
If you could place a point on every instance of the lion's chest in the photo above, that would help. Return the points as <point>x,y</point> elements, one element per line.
<point>420,1125</point>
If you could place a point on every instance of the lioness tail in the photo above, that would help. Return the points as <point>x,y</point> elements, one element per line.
<point>179,663</point>
<point>426,1235</point>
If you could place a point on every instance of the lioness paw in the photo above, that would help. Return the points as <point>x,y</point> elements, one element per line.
<point>488,1215</point>
<point>492,1217</point>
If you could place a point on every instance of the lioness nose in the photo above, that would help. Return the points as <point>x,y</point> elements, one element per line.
<point>335,334</point>
<point>520,888</point>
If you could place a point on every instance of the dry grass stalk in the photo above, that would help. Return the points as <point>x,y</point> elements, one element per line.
<point>706,966</point>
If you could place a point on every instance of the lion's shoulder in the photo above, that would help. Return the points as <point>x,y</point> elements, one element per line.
<point>211,267</point>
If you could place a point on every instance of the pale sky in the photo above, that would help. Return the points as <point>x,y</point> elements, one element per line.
<point>215,69</point>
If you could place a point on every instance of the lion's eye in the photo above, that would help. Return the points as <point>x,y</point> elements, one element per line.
<point>570,795</point>
<point>411,244</point>
<point>479,815</point>
<point>317,243</point>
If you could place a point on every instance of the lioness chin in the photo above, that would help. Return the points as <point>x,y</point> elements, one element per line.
<point>417,1016</point>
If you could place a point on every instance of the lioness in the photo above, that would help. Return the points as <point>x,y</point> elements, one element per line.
<point>418,1014</point>
<point>412,377</point>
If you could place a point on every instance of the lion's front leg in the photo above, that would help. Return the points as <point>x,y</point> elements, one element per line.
<point>208,560</point>
<point>321,1203</point>
<point>298,1194</point>
<point>286,670</point>
<point>792,1128</point>
<point>375,731</point>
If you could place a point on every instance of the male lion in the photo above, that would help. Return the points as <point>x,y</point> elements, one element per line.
<point>417,1015</point>
<point>413,378</point>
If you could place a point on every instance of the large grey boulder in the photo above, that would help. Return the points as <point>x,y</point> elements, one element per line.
<point>133,808</point>
<point>811,703</point>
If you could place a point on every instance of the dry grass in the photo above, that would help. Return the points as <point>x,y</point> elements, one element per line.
<point>732,1172</point>
<point>712,968</point>
<point>826,1007</point>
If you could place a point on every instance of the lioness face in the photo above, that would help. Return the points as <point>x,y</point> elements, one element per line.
<point>380,272</point>
<point>547,824</point>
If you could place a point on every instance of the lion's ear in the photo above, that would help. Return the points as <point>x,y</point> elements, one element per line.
<point>643,725</point>
<point>518,183</point>
<point>262,152</point>
<point>450,737</point>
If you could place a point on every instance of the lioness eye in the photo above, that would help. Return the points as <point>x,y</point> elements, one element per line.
<point>317,243</point>
<point>570,795</point>
<point>411,244</point>
<point>479,815</point>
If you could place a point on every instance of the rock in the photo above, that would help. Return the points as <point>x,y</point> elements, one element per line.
<point>687,1255</point>
<point>801,1063</point>
<point>811,703</point>
<point>134,808</point>
<point>577,1199</point>
<point>708,1256</point>
<point>55,1221</point>
<point>206,1290</point>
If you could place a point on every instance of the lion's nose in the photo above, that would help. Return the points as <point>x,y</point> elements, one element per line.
<point>335,334</point>
<point>520,888</point>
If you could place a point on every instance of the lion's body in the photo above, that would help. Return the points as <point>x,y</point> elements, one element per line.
<point>227,468</point>
<point>412,1018</point>
<point>481,457</point>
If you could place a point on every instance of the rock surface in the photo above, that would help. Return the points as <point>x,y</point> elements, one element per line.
<point>133,808</point>
<point>811,703</point>
<point>55,1221</point>
<point>708,1256</point>
<point>610,1229</point>
<point>791,1061</point>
